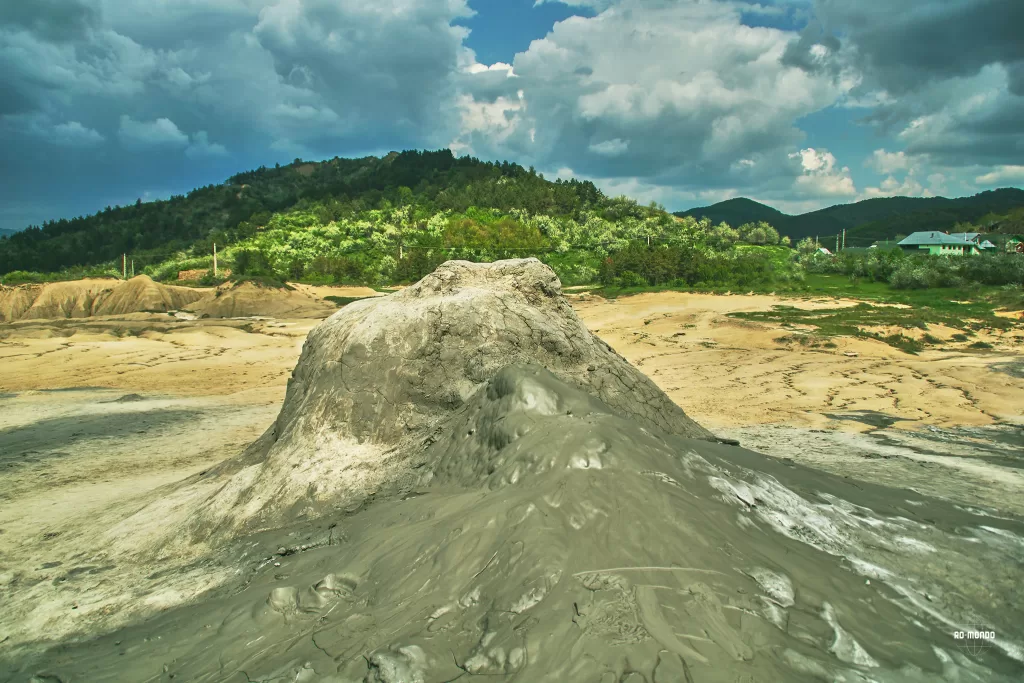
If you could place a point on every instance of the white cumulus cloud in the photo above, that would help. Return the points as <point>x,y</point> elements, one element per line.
<point>161,132</point>
<point>821,176</point>
<point>74,134</point>
<point>1002,176</point>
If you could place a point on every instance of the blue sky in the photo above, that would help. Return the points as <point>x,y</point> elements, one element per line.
<point>797,103</point>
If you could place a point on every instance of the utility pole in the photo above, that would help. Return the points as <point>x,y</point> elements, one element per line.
<point>844,239</point>
<point>837,244</point>
<point>215,259</point>
<point>133,267</point>
<point>124,266</point>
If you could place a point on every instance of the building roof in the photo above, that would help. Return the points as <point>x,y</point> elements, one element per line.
<point>965,236</point>
<point>987,245</point>
<point>933,238</point>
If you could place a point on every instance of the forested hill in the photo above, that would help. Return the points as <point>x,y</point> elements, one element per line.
<point>338,188</point>
<point>871,219</point>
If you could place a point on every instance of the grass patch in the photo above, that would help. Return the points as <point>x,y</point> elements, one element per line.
<point>811,341</point>
<point>340,301</point>
<point>979,345</point>
<point>902,342</point>
<point>959,310</point>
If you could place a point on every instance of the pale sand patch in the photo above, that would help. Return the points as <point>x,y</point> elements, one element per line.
<point>728,373</point>
<point>321,291</point>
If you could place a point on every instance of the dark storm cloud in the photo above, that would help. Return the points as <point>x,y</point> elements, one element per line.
<point>815,51</point>
<point>110,99</point>
<point>1016,78</point>
<point>950,71</point>
<point>50,19</point>
<point>905,42</point>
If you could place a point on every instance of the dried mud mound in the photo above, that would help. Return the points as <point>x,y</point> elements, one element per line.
<point>435,505</point>
<point>549,539</point>
<point>248,299</point>
<point>142,294</point>
<point>92,297</point>
<point>54,300</point>
<point>375,380</point>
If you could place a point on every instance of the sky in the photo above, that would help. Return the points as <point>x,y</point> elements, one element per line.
<point>800,104</point>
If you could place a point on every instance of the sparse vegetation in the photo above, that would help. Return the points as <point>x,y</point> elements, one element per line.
<point>905,312</point>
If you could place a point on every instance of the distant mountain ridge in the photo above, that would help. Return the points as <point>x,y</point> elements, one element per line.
<point>4,232</point>
<point>867,220</point>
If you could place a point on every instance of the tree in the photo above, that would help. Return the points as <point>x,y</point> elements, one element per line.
<point>806,246</point>
<point>722,236</point>
<point>759,233</point>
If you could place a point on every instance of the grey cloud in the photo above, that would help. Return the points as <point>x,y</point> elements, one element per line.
<point>643,73</point>
<point>799,52</point>
<point>388,64</point>
<point>145,134</point>
<point>1016,78</point>
<point>74,134</point>
<point>903,43</point>
<point>57,20</point>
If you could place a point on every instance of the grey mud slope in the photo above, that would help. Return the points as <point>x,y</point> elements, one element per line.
<point>531,524</point>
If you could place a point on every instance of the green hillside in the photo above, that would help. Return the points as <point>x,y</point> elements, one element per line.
<point>871,219</point>
<point>237,209</point>
<point>737,212</point>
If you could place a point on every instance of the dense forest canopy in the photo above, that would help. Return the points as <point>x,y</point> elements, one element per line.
<point>434,181</point>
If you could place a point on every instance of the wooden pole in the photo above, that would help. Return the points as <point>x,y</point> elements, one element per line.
<point>215,259</point>
<point>124,266</point>
<point>133,267</point>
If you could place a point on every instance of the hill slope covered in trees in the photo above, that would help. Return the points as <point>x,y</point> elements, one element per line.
<point>238,208</point>
<point>379,221</point>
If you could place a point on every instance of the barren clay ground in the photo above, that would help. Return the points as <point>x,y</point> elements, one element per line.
<point>96,411</point>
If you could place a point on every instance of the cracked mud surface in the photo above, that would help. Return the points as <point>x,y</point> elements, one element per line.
<point>536,532</point>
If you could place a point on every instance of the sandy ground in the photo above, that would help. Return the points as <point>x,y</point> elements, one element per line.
<point>728,374</point>
<point>96,411</point>
<point>732,373</point>
<point>946,423</point>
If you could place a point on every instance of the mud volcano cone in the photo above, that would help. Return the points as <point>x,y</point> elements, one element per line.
<point>464,482</point>
<point>376,380</point>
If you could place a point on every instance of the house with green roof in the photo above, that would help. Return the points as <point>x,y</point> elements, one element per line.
<point>938,244</point>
